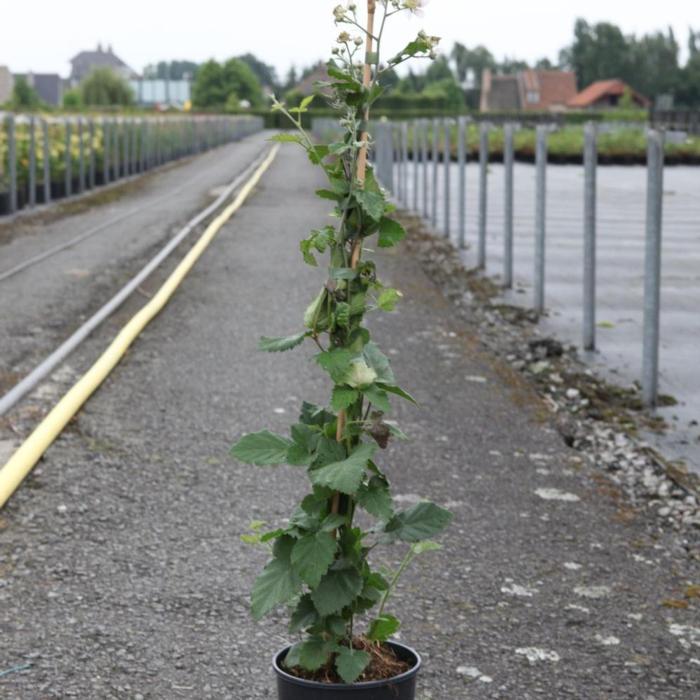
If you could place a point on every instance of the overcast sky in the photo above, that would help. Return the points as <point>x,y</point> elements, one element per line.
<point>43,35</point>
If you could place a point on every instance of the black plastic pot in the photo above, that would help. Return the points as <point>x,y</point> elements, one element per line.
<point>401,687</point>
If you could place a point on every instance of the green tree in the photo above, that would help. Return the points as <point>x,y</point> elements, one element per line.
<point>688,92</point>
<point>104,88</point>
<point>474,61</point>
<point>24,96</point>
<point>265,73</point>
<point>215,84</point>
<point>72,99</point>
<point>170,70</point>
<point>438,70</point>
<point>240,80</point>
<point>208,89</point>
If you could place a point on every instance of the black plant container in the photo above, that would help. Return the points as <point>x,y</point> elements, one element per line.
<point>401,687</point>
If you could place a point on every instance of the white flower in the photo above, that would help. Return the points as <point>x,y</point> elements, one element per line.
<point>343,38</point>
<point>339,13</point>
<point>360,375</point>
<point>415,7</point>
<point>358,41</point>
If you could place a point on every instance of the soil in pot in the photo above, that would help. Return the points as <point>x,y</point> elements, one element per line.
<point>384,664</point>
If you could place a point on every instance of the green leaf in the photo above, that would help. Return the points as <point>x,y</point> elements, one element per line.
<point>338,588</point>
<point>382,627</point>
<point>343,273</point>
<point>390,232</point>
<point>263,448</point>
<point>342,314</point>
<point>372,203</point>
<point>386,301</point>
<point>378,397</point>
<point>330,194</point>
<point>333,522</point>
<point>277,583</point>
<point>350,663</point>
<point>312,555</point>
<point>304,615</point>
<point>393,389</point>
<point>281,344</point>
<point>375,498</point>
<point>379,362</point>
<point>286,137</point>
<point>420,522</point>
<point>306,102</point>
<point>314,653</point>
<point>336,362</point>
<point>343,397</point>
<point>425,546</point>
<point>345,476</point>
<point>305,442</point>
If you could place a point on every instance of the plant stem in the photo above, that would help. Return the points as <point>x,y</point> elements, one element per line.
<point>402,567</point>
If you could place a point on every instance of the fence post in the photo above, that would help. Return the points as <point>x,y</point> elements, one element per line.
<point>590,158</point>
<point>447,162</point>
<point>125,147</point>
<point>436,145</point>
<point>415,151</point>
<point>68,161</point>
<point>404,157</point>
<point>106,146</point>
<point>115,149</point>
<point>12,161</point>
<point>483,184</point>
<point>652,268</point>
<point>32,161</point>
<point>81,157</point>
<point>424,144</point>
<point>46,156</point>
<point>540,195</point>
<point>91,136</point>
<point>462,179</point>
<point>508,206</point>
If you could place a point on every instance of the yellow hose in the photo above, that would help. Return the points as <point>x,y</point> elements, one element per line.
<point>31,450</point>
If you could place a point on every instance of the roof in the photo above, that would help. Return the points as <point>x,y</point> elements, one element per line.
<point>306,86</point>
<point>552,87</point>
<point>86,61</point>
<point>604,88</point>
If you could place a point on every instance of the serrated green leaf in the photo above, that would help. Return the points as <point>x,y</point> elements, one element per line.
<point>277,583</point>
<point>312,555</point>
<point>314,652</point>
<point>262,449</point>
<point>346,475</point>
<point>372,203</point>
<point>330,194</point>
<point>305,439</point>
<point>379,362</point>
<point>381,628</point>
<point>281,344</point>
<point>333,522</point>
<point>386,301</point>
<point>343,273</point>
<point>342,314</point>
<point>390,232</point>
<point>350,663</point>
<point>420,522</point>
<point>375,498</point>
<point>378,397</point>
<point>343,397</point>
<point>336,362</point>
<point>393,389</point>
<point>337,589</point>
<point>304,615</point>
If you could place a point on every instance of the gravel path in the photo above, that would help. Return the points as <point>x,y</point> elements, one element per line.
<point>121,571</point>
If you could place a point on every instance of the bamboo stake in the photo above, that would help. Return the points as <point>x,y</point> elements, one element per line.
<point>361,171</point>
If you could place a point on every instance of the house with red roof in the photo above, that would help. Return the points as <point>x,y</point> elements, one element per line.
<point>527,90</point>
<point>606,94</point>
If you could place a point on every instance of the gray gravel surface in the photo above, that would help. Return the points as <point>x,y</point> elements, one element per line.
<point>42,305</point>
<point>121,571</point>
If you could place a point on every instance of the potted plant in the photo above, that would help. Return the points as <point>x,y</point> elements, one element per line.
<point>321,559</point>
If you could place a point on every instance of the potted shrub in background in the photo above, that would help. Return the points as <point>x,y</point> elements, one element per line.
<point>321,560</point>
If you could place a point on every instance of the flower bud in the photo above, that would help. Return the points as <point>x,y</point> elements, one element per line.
<point>360,375</point>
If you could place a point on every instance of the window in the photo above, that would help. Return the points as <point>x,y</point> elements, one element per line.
<point>533,96</point>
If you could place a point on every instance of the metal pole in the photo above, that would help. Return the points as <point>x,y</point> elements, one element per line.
<point>81,157</point>
<point>32,162</point>
<point>115,152</point>
<point>540,194</point>
<point>12,161</point>
<point>415,149</point>
<point>47,160</point>
<point>508,206</point>
<point>436,144</point>
<point>652,268</point>
<point>405,164</point>
<point>125,147</point>
<point>590,158</point>
<point>69,162</point>
<point>462,172</point>
<point>424,144</point>
<point>396,150</point>
<point>91,136</point>
<point>447,162</point>
<point>483,193</point>
<point>106,144</point>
